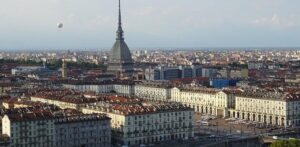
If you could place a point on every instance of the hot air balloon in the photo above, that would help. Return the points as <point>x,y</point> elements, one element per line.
<point>60,25</point>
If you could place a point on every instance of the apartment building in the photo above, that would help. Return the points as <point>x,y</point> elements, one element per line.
<point>173,72</point>
<point>136,121</point>
<point>34,129</point>
<point>87,86</point>
<point>65,99</point>
<point>125,88</point>
<point>205,100</point>
<point>268,107</point>
<point>153,90</point>
<point>48,129</point>
<point>89,130</point>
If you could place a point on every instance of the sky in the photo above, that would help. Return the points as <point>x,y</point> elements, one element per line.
<point>91,24</point>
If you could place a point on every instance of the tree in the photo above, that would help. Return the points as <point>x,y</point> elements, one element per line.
<point>55,64</point>
<point>286,143</point>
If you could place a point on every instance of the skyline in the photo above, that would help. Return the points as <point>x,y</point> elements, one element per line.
<point>178,24</point>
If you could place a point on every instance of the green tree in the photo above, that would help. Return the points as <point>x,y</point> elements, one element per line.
<point>286,143</point>
<point>55,64</point>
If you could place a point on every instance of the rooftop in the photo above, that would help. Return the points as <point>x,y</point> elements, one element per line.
<point>129,106</point>
<point>29,109</point>
<point>164,84</point>
<point>65,95</point>
<point>199,89</point>
<point>108,82</point>
<point>59,117</point>
<point>265,94</point>
<point>18,101</point>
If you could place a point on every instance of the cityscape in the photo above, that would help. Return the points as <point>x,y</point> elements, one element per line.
<point>150,96</point>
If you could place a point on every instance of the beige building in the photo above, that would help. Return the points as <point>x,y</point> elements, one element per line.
<point>153,90</point>
<point>136,121</point>
<point>133,121</point>
<point>20,103</point>
<point>295,80</point>
<point>99,88</point>
<point>122,88</point>
<point>149,90</point>
<point>65,99</point>
<point>268,108</point>
<point>234,73</point>
<point>205,100</point>
<point>239,73</point>
<point>249,105</point>
<point>202,100</point>
<point>64,70</point>
<point>64,104</point>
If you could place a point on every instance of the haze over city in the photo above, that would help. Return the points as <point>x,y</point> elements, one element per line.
<point>195,73</point>
<point>31,24</point>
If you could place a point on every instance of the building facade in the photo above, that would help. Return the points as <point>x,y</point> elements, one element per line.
<point>204,100</point>
<point>125,89</point>
<point>65,99</point>
<point>268,108</point>
<point>49,129</point>
<point>144,122</point>
<point>83,130</point>
<point>29,129</point>
<point>159,91</point>
<point>173,72</point>
<point>99,88</point>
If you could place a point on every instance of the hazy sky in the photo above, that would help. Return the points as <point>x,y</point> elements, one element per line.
<point>149,23</point>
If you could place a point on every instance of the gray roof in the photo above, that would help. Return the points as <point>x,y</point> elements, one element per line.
<point>120,52</point>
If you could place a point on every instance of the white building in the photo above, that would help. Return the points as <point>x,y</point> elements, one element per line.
<point>122,88</point>
<point>99,88</point>
<point>153,90</point>
<point>135,121</point>
<point>27,69</point>
<point>254,105</point>
<point>268,108</point>
<point>255,65</point>
<point>205,100</point>
<point>65,99</point>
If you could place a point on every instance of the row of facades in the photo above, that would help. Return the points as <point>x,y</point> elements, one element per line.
<point>255,105</point>
<point>38,128</point>
<point>133,121</point>
<point>126,122</point>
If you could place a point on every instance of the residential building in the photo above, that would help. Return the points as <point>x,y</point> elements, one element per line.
<point>136,121</point>
<point>65,99</point>
<point>209,72</point>
<point>205,100</point>
<point>268,107</point>
<point>48,129</point>
<point>173,72</point>
<point>153,90</point>
<point>29,129</point>
<point>88,130</point>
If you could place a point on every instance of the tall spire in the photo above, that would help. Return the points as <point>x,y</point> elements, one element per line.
<point>120,59</point>
<point>120,30</point>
